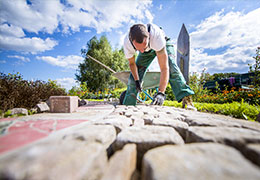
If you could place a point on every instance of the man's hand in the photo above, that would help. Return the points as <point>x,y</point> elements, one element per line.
<point>138,86</point>
<point>158,99</point>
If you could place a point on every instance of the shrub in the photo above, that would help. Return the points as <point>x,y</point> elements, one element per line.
<point>16,92</point>
<point>250,96</point>
<point>83,92</point>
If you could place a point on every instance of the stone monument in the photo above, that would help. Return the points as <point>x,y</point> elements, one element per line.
<point>183,52</point>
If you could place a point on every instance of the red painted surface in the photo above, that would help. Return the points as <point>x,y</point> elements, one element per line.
<point>25,132</point>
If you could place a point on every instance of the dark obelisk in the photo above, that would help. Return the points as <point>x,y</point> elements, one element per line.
<point>183,52</point>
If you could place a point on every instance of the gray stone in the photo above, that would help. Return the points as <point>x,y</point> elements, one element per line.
<point>42,107</point>
<point>61,160</point>
<point>104,134</point>
<point>236,137</point>
<point>137,120</point>
<point>79,152</point>
<point>148,119</point>
<point>165,120</point>
<point>82,102</point>
<point>246,124</point>
<point>122,164</point>
<point>197,161</point>
<point>252,152</point>
<point>17,111</point>
<point>147,137</point>
<point>128,113</point>
<point>118,121</point>
<point>206,119</point>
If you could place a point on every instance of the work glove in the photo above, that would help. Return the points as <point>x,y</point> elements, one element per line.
<point>138,86</point>
<point>158,99</point>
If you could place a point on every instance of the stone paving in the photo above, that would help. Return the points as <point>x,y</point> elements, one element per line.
<point>17,132</point>
<point>133,142</point>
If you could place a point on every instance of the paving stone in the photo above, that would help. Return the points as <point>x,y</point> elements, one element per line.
<point>122,164</point>
<point>147,137</point>
<point>236,137</point>
<point>104,134</point>
<point>252,152</point>
<point>19,111</point>
<point>128,113</point>
<point>137,120</point>
<point>118,121</point>
<point>166,120</point>
<point>206,119</point>
<point>197,161</point>
<point>63,104</point>
<point>56,160</point>
<point>148,119</point>
<point>245,124</point>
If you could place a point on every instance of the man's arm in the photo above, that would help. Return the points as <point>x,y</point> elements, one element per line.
<point>163,63</point>
<point>133,68</point>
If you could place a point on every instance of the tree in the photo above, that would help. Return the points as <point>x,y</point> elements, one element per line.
<point>97,77</point>
<point>255,68</point>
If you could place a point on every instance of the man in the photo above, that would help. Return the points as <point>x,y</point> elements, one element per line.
<point>150,41</point>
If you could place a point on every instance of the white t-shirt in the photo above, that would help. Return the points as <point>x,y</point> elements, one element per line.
<point>157,41</point>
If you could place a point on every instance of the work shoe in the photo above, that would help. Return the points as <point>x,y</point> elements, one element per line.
<point>188,101</point>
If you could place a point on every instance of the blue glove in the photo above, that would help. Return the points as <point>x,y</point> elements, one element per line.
<point>158,99</point>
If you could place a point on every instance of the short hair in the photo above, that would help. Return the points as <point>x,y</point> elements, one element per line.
<point>138,32</point>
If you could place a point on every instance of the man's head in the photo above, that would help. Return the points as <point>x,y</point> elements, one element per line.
<point>139,37</point>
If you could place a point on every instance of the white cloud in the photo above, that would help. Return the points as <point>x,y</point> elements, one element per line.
<point>2,61</point>
<point>49,16</point>
<point>11,30</point>
<point>39,16</point>
<point>46,15</point>
<point>69,62</point>
<point>233,37</point>
<point>22,58</point>
<point>32,45</point>
<point>67,83</point>
<point>102,15</point>
<point>87,31</point>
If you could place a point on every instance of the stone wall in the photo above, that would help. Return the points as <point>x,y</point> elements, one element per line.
<point>143,142</point>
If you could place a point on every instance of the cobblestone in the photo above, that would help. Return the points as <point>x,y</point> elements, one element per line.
<point>94,143</point>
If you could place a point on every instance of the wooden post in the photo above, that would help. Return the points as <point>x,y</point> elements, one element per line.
<point>183,52</point>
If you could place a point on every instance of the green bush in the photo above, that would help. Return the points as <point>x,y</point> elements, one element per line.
<point>83,92</point>
<point>117,92</point>
<point>18,93</point>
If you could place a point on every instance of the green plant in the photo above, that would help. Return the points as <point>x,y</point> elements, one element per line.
<point>115,93</point>
<point>8,113</point>
<point>17,92</point>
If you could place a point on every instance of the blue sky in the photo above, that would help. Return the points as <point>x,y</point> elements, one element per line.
<point>42,39</point>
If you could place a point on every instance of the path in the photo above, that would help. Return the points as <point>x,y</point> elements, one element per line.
<point>17,132</point>
<point>142,142</point>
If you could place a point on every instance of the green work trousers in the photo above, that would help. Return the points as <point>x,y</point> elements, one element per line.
<point>176,79</point>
